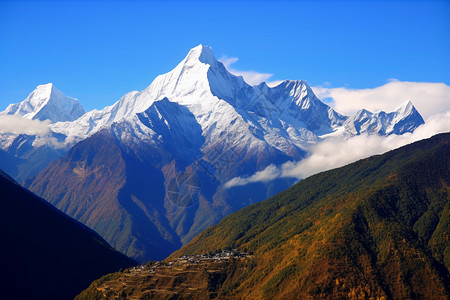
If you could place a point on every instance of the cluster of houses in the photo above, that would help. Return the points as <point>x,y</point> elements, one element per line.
<point>224,255</point>
<point>217,256</point>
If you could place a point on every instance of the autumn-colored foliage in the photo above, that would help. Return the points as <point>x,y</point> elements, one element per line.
<point>377,228</point>
<point>374,229</point>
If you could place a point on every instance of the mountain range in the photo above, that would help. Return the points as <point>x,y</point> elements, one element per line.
<point>374,229</point>
<point>148,173</point>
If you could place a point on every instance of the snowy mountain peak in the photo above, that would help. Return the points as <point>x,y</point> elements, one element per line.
<point>46,102</point>
<point>40,95</point>
<point>404,119</point>
<point>203,54</point>
<point>406,108</point>
<point>44,88</point>
<point>192,81</point>
<point>297,87</point>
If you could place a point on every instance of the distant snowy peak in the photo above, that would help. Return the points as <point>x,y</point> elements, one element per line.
<point>404,119</point>
<point>46,102</point>
<point>406,109</point>
<point>296,99</point>
<point>223,105</point>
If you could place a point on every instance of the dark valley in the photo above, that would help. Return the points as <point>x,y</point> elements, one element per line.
<point>45,253</point>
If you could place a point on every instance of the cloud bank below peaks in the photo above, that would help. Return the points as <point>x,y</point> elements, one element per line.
<point>19,125</point>
<point>15,125</point>
<point>336,152</point>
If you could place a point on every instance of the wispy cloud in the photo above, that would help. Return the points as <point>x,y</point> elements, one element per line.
<point>10,124</point>
<point>333,153</point>
<point>251,77</point>
<point>428,98</point>
<point>18,125</point>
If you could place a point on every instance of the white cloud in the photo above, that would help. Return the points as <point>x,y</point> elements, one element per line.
<point>251,77</point>
<point>48,140</point>
<point>337,152</point>
<point>18,125</point>
<point>429,98</point>
<point>269,173</point>
<point>14,125</point>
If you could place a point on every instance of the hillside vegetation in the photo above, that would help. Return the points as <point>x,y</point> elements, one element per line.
<point>374,229</point>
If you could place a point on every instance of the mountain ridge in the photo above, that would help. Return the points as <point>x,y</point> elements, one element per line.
<point>200,74</point>
<point>194,128</point>
<point>402,120</point>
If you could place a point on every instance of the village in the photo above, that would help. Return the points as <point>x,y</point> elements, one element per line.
<point>223,255</point>
<point>208,270</point>
<point>219,256</point>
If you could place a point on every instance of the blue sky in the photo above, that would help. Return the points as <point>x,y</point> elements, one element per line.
<point>97,51</point>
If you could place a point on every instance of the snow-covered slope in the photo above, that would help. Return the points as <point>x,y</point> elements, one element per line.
<point>288,115</point>
<point>404,119</point>
<point>46,102</point>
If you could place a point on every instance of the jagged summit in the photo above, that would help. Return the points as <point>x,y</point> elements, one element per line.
<point>201,53</point>
<point>46,90</point>
<point>406,108</point>
<point>46,102</point>
<point>404,119</point>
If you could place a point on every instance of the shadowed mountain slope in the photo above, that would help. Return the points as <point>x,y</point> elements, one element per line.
<point>46,254</point>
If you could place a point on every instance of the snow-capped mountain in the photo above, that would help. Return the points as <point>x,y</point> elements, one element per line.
<point>404,119</point>
<point>46,102</point>
<point>154,164</point>
<point>286,116</point>
<point>34,152</point>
